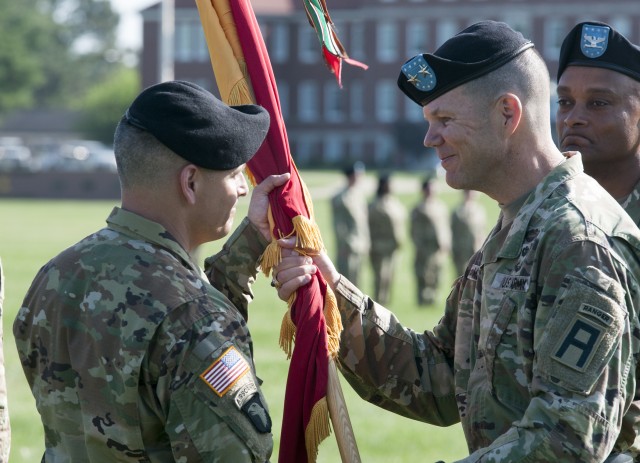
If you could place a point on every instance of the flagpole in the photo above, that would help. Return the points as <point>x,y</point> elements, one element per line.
<point>340,418</point>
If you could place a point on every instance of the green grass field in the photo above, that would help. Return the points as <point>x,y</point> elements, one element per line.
<point>33,231</point>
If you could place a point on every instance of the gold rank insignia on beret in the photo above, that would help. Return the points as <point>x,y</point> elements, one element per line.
<point>419,73</point>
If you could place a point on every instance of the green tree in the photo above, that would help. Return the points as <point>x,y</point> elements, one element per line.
<point>104,104</point>
<point>53,50</point>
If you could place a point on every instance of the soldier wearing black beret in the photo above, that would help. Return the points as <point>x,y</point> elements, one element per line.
<point>536,351</point>
<point>598,115</point>
<point>599,108</point>
<point>154,355</point>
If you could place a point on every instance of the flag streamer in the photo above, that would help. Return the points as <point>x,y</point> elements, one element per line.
<point>333,51</point>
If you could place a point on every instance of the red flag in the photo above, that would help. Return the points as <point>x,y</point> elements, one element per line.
<point>244,75</point>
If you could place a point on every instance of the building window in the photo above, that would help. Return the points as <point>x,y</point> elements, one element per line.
<point>334,102</point>
<point>279,51</point>
<point>356,103</point>
<point>554,32</point>
<point>413,112</point>
<point>308,44</point>
<point>190,44</point>
<point>384,150</point>
<point>283,96</point>
<point>387,41</point>
<point>386,97</point>
<point>356,148</point>
<point>305,148</point>
<point>333,149</point>
<point>445,29</point>
<point>308,101</point>
<point>417,38</point>
<point>356,47</point>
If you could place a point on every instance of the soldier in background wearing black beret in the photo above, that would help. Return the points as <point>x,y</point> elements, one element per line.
<point>132,352</point>
<point>536,351</point>
<point>599,108</point>
<point>599,115</point>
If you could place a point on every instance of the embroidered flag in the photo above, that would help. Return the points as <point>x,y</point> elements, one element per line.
<point>225,371</point>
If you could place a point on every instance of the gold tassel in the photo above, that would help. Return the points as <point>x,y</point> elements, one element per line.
<point>308,236</point>
<point>318,428</point>
<point>287,334</point>
<point>270,257</point>
<point>334,323</point>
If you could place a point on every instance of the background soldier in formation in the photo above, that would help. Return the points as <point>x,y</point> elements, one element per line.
<point>350,224</point>
<point>429,228</point>
<point>468,230</point>
<point>537,349</point>
<point>387,218</point>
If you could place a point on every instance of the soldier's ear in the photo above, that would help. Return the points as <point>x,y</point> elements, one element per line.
<point>188,182</point>
<point>509,108</point>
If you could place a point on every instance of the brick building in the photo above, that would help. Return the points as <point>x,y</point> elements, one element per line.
<point>368,118</point>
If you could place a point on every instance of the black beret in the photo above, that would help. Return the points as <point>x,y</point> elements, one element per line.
<point>472,53</point>
<point>197,126</point>
<point>597,44</point>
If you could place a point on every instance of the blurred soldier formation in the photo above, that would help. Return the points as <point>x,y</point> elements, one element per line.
<point>436,233</point>
<point>431,236</point>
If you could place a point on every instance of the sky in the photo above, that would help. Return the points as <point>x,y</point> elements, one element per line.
<point>130,27</point>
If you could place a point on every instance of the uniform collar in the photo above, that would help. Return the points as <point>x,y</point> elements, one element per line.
<point>132,224</point>
<point>512,245</point>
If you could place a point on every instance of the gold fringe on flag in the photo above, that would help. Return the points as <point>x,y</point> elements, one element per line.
<point>318,428</point>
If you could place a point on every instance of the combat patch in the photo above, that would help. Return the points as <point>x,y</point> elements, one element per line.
<point>225,371</point>
<point>581,336</point>
<point>579,343</point>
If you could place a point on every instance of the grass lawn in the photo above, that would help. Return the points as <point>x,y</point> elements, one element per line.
<point>33,231</point>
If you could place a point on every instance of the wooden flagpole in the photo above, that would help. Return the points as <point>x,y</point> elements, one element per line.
<point>340,418</point>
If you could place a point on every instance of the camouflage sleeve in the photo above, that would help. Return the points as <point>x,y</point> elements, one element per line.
<point>200,379</point>
<point>585,341</point>
<point>233,270</point>
<point>391,366</point>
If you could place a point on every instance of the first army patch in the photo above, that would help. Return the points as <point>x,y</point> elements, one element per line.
<point>228,375</point>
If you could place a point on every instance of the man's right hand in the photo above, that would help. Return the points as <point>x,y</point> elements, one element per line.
<point>295,270</point>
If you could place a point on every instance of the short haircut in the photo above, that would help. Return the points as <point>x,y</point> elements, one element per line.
<point>141,159</point>
<point>527,76</point>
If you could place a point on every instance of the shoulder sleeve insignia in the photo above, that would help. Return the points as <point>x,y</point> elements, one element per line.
<point>225,371</point>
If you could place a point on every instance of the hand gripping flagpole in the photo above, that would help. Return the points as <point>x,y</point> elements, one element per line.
<point>244,76</point>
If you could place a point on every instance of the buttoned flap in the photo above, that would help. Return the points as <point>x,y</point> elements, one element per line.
<point>583,332</point>
<point>224,383</point>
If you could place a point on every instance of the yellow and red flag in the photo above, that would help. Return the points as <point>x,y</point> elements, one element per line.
<point>244,76</point>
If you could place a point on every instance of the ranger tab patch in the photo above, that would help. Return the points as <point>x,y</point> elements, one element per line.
<point>222,374</point>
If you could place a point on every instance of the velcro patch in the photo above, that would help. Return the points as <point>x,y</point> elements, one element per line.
<point>581,336</point>
<point>225,371</point>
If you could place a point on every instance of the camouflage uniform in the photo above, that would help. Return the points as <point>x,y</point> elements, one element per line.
<point>351,230</point>
<point>467,233</point>
<point>429,227</point>
<point>5,428</point>
<point>539,335</point>
<point>387,218</point>
<point>631,204</point>
<point>132,356</point>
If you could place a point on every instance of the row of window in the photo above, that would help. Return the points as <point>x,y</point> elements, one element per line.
<point>341,106</point>
<point>190,45</point>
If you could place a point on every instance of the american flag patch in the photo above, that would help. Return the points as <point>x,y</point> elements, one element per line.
<point>225,371</point>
